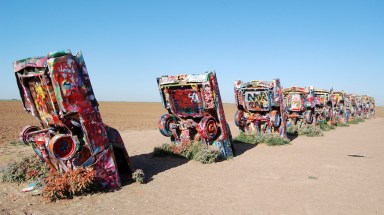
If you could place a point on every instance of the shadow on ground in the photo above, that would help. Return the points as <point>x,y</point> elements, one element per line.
<point>241,147</point>
<point>292,136</point>
<point>152,165</point>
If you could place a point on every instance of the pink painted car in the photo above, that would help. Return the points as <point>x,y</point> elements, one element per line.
<point>195,111</point>
<point>57,91</point>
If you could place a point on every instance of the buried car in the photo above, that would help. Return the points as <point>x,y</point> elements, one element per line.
<point>339,110</point>
<point>372,106</point>
<point>359,105</point>
<point>57,91</point>
<point>323,105</point>
<point>195,111</point>
<point>368,106</point>
<point>299,105</point>
<point>260,107</point>
<point>350,107</point>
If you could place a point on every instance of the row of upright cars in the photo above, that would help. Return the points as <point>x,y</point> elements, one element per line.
<point>195,110</point>
<point>263,106</point>
<point>56,89</point>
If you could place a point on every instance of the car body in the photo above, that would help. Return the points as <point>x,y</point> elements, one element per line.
<point>372,107</point>
<point>323,105</point>
<point>57,91</point>
<point>359,105</point>
<point>351,108</point>
<point>299,105</point>
<point>260,107</point>
<point>195,111</point>
<point>368,106</point>
<point>339,111</point>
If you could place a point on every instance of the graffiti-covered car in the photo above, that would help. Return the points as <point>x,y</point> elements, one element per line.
<point>299,106</point>
<point>195,111</point>
<point>350,107</point>
<point>372,107</point>
<point>323,105</point>
<point>57,91</point>
<point>339,110</point>
<point>260,107</point>
<point>368,106</point>
<point>359,105</point>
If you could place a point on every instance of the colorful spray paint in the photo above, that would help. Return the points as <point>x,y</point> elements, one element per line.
<point>57,91</point>
<point>260,107</point>
<point>299,106</point>
<point>340,114</point>
<point>195,111</point>
<point>323,105</point>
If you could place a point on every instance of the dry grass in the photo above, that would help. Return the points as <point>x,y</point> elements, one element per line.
<point>74,183</point>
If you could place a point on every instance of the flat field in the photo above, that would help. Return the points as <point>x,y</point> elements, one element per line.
<point>339,173</point>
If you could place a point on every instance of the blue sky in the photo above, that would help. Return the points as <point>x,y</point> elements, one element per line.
<point>127,44</point>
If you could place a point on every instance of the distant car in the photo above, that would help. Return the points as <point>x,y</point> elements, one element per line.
<point>340,114</point>
<point>372,107</point>
<point>359,105</point>
<point>368,106</point>
<point>323,105</point>
<point>57,91</point>
<point>260,107</point>
<point>195,111</point>
<point>299,105</point>
<point>350,107</point>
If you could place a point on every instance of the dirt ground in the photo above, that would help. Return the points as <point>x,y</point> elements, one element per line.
<point>339,173</point>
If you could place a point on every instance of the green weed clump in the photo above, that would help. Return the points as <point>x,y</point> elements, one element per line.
<point>138,176</point>
<point>30,168</point>
<point>196,151</point>
<point>325,126</point>
<point>359,119</point>
<point>311,131</point>
<point>250,138</point>
<point>356,120</point>
<point>353,122</point>
<point>293,130</point>
<point>340,124</point>
<point>256,138</point>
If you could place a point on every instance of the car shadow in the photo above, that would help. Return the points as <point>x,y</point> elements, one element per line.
<point>292,136</point>
<point>153,165</point>
<point>241,147</point>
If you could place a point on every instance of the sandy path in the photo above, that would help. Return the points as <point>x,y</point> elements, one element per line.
<point>322,175</point>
